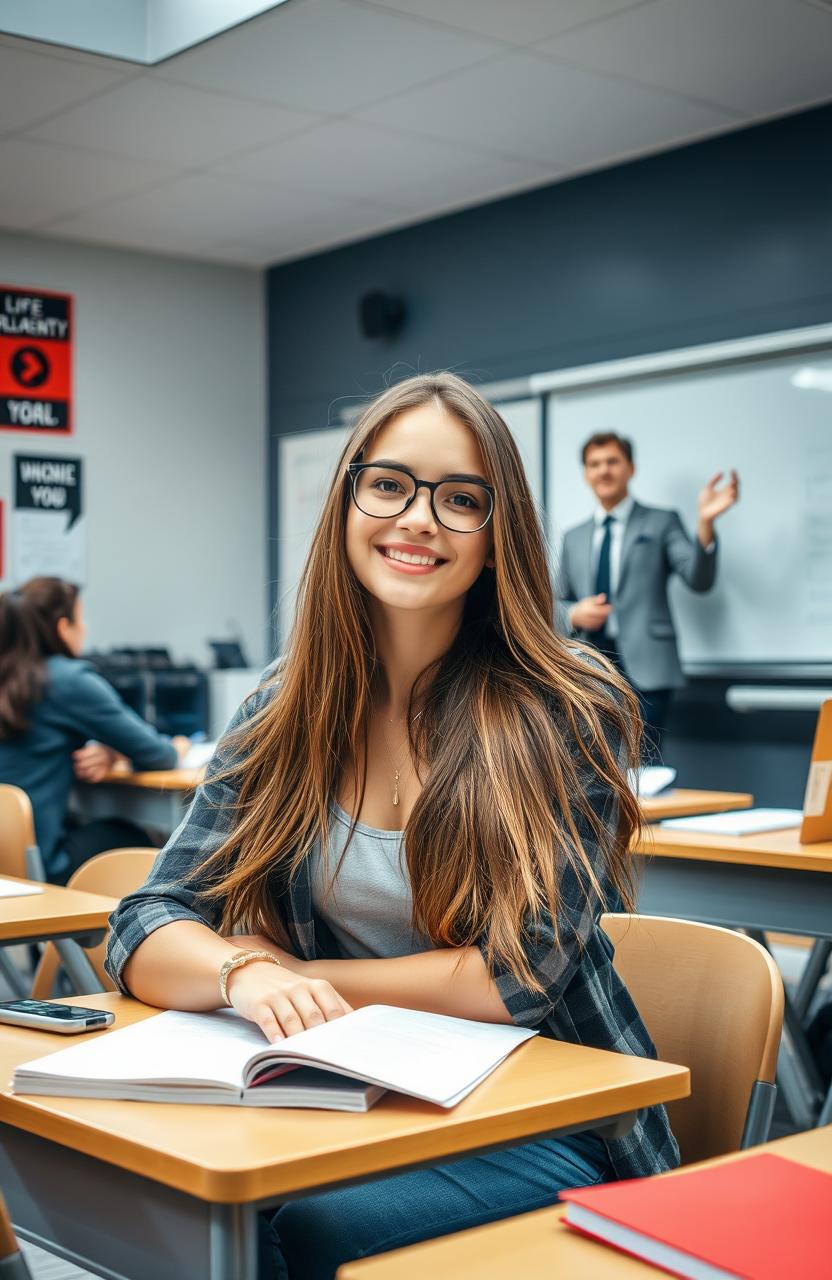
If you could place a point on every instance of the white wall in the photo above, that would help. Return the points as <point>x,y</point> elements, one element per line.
<point>170,421</point>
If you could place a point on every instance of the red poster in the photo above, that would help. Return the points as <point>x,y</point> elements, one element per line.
<point>36,332</point>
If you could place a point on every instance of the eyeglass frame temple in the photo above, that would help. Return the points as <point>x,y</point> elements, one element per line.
<point>354,470</point>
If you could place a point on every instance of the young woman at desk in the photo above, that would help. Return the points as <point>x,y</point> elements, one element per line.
<point>59,719</point>
<point>425,805</point>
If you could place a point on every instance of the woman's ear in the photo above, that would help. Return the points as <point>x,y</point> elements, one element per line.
<point>489,564</point>
<point>63,627</point>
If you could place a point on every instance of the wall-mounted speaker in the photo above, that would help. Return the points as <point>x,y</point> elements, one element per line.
<point>380,315</point>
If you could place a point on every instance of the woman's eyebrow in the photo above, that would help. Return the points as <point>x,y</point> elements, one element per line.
<point>462,476</point>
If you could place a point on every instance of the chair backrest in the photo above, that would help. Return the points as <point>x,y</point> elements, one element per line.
<point>712,1000</point>
<point>17,830</point>
<point>114,874</point>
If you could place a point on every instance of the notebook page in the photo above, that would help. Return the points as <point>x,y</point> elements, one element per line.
<point>13,889</point>
<point>427,1055</point>
<point>651,779</point>
<point>170,1046</point>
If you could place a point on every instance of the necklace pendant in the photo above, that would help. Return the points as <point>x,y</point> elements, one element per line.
<point>396,788</point>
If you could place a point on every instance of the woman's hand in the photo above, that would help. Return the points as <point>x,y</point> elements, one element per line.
<point>93,762</point>
<point>280,999</point>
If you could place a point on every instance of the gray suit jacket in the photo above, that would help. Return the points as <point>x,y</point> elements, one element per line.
<point>655,546</point>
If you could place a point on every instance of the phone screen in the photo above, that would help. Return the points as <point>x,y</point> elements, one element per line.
<point>60,1012</point>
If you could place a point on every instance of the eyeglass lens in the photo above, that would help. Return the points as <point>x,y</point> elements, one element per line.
<point>462,506</point>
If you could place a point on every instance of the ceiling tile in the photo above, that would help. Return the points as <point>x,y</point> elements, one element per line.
<point>208,206</point>
<point>98,231</point>
<point>530,106</point>
<point>518,22</point>
<point>34,85</point>
<point>52,181</point>
<point>196,223</point>
<point>366,162</point>
<point>755,56</point>
<point>171,124</point>
<point>325,55</point>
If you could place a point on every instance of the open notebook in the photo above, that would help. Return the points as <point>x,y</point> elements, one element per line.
<point>344,1065</point>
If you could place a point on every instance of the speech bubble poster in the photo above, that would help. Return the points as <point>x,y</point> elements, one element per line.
<point>49,530</point>
<point>36,335</point>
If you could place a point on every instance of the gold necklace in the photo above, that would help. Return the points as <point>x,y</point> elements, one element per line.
<point>396,770</point>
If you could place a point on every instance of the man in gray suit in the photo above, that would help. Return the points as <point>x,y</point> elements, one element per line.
<point>614,569</point>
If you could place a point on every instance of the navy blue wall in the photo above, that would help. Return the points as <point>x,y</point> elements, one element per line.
<point>717,240</point>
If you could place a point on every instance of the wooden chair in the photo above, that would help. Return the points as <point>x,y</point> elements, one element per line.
<point>712,1000</point>
<point>19,855</point>
<point>114,874</point>
<point>13,1265</point>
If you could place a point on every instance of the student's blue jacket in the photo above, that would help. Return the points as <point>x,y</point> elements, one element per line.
<point>77,706</point>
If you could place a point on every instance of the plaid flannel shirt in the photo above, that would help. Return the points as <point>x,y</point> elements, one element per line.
<point>583,999</point>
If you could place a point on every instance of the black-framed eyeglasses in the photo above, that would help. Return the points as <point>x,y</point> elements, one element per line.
<point>384,490</point>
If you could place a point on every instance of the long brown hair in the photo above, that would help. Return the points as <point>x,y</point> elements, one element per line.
<point>513,722</point>
<point>28,636</point>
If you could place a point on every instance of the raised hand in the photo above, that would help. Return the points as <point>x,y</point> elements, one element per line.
<point>713,501</point>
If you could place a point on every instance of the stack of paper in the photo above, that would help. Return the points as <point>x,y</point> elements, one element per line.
<point>742,822</point>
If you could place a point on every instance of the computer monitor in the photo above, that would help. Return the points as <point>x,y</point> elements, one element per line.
<point>228,654</point>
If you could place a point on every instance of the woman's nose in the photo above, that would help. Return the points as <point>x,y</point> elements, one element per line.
<point>419,514</point>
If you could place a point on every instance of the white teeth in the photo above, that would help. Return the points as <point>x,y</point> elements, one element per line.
<point>407,558</point>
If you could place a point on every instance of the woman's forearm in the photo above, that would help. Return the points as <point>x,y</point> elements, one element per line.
<point>178,966</point>
<point>448,981</point>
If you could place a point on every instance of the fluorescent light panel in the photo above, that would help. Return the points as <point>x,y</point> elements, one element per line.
<point>145,31</point>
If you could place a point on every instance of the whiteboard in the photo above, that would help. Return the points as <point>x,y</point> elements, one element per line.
<point>772,422</point>
<point>306,463</point>
<point>524,419</point>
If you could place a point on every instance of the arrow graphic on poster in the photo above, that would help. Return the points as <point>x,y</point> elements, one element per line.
<point>30,367</point>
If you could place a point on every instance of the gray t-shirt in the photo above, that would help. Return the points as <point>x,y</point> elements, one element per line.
<point>368,906</point>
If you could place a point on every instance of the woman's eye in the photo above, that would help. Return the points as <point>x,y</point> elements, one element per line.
<point>464,500</point>
<point>387,486</point>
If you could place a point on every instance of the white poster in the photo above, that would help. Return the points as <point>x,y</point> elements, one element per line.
<point>48,527</point>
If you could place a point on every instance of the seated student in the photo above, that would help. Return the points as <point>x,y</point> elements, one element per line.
<point>424,805</point>
<point>58,717</point>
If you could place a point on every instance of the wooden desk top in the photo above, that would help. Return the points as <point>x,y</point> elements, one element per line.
<point>766,849</point>
<point>54,912</point>
<point>157,779</point>
<point>538,1246</point>
<point>240,1154</point>
<point>682,802</point>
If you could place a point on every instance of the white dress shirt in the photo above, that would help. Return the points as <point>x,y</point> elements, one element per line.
<point>620,515</point>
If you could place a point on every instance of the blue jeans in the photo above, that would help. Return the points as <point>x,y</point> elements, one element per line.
<point>309,1239</point>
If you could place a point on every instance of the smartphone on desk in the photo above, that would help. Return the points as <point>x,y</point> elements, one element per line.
<point>68,1019</point>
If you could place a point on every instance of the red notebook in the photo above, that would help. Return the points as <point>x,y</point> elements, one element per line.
<point>763,1218</point>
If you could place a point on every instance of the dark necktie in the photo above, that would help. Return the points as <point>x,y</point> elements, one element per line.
<point>603,574</point>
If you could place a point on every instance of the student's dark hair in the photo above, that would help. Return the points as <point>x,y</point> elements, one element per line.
<point>28,636</point>
<point>608,437</point>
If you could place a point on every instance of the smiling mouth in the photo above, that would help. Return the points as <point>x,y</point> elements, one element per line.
<point>406,557</point>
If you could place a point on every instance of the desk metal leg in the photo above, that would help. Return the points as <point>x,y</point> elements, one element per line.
<point>233,1242</point>
<point>16,981</point>
<point>811,976</point>
<point>797,1071</point>
<point>81,973</point>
